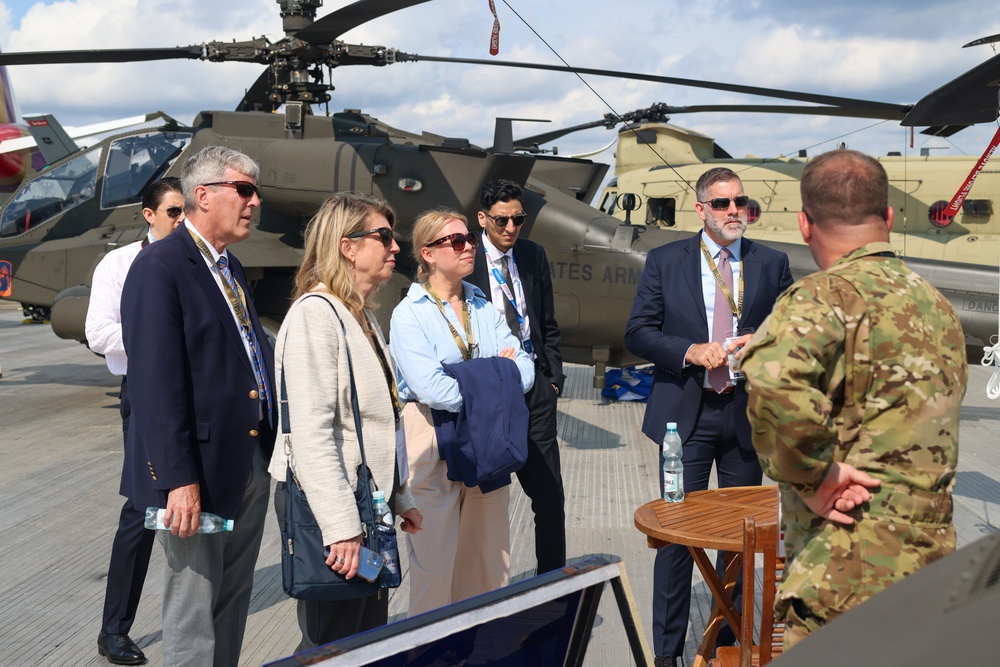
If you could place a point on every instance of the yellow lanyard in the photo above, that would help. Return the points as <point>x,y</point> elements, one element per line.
<point>236,298</point>
<point>390,377</point>
<point>467,352</point>
<point>720,281</point>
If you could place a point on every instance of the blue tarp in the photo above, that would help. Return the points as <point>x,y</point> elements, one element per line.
<point>628,384</point>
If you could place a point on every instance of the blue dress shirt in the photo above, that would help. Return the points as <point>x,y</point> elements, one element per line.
<point>420,341</point>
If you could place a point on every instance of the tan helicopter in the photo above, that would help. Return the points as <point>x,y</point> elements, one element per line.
<point>60,223</point>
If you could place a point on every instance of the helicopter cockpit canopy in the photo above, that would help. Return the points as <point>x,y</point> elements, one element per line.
<point>55,191</point>
<point>133,162</point>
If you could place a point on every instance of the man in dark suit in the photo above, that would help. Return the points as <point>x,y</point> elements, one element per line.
<point>693,295</point>
<point>203,406</point>
<point>514,274</point>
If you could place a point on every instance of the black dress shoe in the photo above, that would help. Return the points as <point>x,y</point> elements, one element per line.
<point>119,650</point>
<point>664,661</point>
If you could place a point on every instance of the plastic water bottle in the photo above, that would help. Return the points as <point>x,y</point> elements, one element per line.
<point>673,467</point>
<point>207,522</point>
<point>385,526</point>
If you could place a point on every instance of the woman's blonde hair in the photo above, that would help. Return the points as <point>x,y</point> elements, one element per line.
<point>340,215</point>
<point>427,228</point>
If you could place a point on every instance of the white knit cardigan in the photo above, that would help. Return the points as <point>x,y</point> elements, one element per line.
<point>323,444</point>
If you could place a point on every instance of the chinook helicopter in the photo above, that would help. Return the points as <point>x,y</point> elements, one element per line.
<point>60,223</point>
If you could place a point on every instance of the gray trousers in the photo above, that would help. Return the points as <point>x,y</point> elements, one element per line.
<point>208,581</point>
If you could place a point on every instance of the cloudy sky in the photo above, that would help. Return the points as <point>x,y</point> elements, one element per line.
<point>891,51</point>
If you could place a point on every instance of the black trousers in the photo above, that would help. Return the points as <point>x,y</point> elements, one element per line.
<point>129,555</point>
<point>541,477</point>
<point>713,441</point>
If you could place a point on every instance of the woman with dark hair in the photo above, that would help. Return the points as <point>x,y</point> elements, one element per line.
<point>349,252</point>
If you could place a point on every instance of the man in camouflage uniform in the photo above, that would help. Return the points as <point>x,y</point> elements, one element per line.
<point>855,390</point>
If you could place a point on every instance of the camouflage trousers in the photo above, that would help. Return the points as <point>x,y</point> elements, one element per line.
<point>833,568</point>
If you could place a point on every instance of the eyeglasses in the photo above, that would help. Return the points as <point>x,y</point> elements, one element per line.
<point>384,235</point>
<point>457,241</point>
<point>502,220</point>
<point>172,211</point>
<point>722,203</point>
<point>244,189</point>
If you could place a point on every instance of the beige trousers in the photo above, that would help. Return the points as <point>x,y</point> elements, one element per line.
<point>464,547</point>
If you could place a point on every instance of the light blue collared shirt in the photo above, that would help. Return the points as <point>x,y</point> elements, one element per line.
<point>420,341</point>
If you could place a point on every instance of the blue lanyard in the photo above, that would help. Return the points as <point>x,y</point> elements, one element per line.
<point>506,291</point>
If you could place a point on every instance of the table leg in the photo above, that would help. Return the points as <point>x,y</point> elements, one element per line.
<point>722,605</point>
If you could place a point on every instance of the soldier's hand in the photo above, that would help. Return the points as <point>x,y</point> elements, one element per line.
<point>710,355</point>
<point>844,488</point>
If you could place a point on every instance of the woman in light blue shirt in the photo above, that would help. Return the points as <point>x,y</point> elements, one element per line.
<point>464,547</point>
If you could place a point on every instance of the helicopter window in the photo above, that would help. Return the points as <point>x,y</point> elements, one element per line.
<point>661,211</point>
<point>55,191</point>
<point>137,160</point>
<point>609,203</point>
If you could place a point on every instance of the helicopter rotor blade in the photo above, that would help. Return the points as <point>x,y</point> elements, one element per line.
<point>977,90</point>
<point>663,112</point>
<point>100,56</point>
<point>883,109</point>
<point>335,24</point>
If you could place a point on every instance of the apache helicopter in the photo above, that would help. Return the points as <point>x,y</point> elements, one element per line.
<point>60,223</point>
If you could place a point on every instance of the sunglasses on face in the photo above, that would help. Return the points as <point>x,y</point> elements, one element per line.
<point>457,241</point>
<point>384,235</point>
<point>244,189</point>
<point>722,203</point>
<point>502,220</point>
<point>172,211</point>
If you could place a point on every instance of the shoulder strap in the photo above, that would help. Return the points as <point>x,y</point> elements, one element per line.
<point>363,472</point>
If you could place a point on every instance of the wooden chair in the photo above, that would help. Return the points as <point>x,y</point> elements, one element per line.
<point>757,538</point>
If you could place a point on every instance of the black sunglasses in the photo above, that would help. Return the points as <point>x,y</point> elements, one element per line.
<point>384,235</point>
<point>457,241</point>
<point>502,220</point>
<point>172,211</point>
<point>244,189</point>
<point>722,203</point>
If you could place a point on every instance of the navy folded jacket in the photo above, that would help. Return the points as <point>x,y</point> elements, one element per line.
<point>487,440</point>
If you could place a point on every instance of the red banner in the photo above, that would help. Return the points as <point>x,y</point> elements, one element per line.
<point>495,37</point>
<point>956,202</point>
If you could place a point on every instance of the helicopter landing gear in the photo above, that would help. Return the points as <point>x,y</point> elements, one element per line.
<point>35,314</point>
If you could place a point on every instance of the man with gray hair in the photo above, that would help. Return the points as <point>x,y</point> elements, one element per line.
<point>203,407</point>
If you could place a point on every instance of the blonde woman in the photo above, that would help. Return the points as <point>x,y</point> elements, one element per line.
<point>465,547</point>
<point>349,252</point>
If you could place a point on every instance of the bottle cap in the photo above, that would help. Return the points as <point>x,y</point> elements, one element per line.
<point>227,524</point>
<point>671,426</point>
<point>378,495</point>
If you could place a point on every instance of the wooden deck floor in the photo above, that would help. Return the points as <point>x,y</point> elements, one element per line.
<point>60,460</point>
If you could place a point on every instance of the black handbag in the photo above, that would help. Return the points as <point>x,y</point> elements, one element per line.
<point>304,572</point>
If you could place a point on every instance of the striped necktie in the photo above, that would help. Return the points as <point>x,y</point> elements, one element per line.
<point>239,306</point>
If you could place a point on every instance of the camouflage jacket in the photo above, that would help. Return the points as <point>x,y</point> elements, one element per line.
<point>862,363</point>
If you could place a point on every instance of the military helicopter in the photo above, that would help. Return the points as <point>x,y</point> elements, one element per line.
<point>60,223</point>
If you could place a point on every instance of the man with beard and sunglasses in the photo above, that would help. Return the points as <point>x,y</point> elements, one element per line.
<point>163,209</point>
<point>693,295</point>
<point>514,274</point>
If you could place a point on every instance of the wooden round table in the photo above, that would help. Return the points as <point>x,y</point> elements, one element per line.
<point>710,519</point>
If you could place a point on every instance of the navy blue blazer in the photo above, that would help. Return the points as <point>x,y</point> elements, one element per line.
<point>668,316</point>
<point>536,281</point>
<point>487,440</point>
<point>195,411</point>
